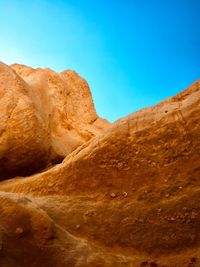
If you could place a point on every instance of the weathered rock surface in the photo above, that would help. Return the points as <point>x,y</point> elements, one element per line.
<point>29,237</point>
<point>129,197</point>
<point>44,116</point>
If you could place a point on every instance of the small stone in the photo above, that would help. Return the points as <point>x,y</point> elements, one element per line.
<point>166,195</point>
<point>113,195</point>
<point>78,226</point>
<point>19,230</point>
<point>120,165</point>
<point>125,194</point>
<point>194,215</point>
<point>89,213</point>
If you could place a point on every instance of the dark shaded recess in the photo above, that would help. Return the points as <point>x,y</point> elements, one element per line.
<point>25,169</point>
<point>57,160</point>
<point>22,252</point>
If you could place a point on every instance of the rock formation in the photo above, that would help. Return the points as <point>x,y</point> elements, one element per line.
<point>127,197</point>
<point>44,116</point>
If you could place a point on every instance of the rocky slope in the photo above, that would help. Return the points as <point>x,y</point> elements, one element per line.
<point>128,197</point>
<point>44,116</point>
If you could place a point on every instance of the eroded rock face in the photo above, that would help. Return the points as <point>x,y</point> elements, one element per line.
<point>154,146</point>
<point>29,237</point>
<point>43,117</point>
<point>130,196</point>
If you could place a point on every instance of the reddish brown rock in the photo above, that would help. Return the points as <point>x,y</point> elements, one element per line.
<point>132,193</point>
<point>29,237</point>
<point>148,148</point>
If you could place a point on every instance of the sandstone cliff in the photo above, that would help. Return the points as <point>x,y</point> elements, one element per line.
<point>44,116</point>
<point>127,197</point>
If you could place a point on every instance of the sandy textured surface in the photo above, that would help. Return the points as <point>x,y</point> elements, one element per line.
<point>127,197</point>
<point>44,116</point>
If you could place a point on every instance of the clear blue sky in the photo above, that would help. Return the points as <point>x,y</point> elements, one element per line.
<point>133,53</point>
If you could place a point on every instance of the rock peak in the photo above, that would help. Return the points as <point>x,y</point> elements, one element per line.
<point>50,113</point>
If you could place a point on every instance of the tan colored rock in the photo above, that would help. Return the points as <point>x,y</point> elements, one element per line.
<point>171,140</point>
<point>43,117</point>
<point>29,237</point>
<point>141,159</point>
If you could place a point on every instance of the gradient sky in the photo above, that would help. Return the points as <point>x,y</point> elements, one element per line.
<point>133,53</point>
